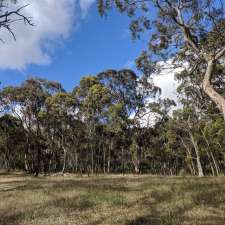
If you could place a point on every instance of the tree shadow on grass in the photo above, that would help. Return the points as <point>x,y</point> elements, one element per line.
<point>11,219</point>
<point>120,184</point>
<point>208,194</point>
<point>201,195</point>
<point>20,185</point>
<point>101,190</point>
<point>80,203</point>
<point>174,220</point>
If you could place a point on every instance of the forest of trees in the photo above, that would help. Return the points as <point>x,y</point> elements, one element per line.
<point>116,121</point>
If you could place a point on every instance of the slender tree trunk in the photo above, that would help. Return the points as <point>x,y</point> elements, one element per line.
<point>109,162</point>
<point>136,167</point>
<point>164,168</point>
<point>92,159</point>
<point>209,89</point>
<point>123,160</point>
<point>192,166</point>
<point>76,162</point>
<point>26,164</point>
<point>109,156</point>
<point>6,157</point>
<point>103,158</point>
<point>191,169</point>
<point>64,160</point>
<point>211,165</point>
<point>199,165</point>
<point>38,162</point>
<point>215,163</point>
<point>211,157</point>
<point>136,160</point>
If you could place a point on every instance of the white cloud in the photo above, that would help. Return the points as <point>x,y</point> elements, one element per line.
<point>166,81</point>
<point>168,84</point>
<point>54,21</point>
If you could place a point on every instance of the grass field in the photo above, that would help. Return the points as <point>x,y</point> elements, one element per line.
<point>108,200</point>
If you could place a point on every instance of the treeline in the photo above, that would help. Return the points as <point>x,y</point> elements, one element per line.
<point>114,122</point>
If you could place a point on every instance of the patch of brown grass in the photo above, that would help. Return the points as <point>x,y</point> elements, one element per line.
<point>109,200</point>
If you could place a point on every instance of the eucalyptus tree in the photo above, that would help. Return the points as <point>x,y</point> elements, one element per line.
<point>99,127</point>
<point>93,98</point>
<point>59,116</point>
<point>27,103</point>
<point>12,139</point>
<point>184,128</point>
<point>213,133</point>
<point>157,151</point>
<point>178,144</point>
<point>182,32</point>
<point>122,86</point>
<point>191,95</point>
<point>129,96</point>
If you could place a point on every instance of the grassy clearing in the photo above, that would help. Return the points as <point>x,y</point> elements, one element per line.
<point>108,200</point>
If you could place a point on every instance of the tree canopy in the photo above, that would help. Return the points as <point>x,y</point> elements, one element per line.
<point>185,33</point>
<point>103,126</point>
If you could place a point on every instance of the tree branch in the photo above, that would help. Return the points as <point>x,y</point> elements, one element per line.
<point>180,22</point>
<point>220,53</point>
<point>6,21</point>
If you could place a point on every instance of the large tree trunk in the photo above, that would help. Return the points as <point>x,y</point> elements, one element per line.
<point>209,89</point>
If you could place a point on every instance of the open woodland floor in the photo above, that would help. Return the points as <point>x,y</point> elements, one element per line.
<point>112,199</point>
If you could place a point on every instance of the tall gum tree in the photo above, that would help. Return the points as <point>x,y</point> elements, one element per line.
<point>190,32</point>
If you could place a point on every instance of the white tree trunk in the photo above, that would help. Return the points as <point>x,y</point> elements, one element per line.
<point>199,165</point>
<point>209,89</point>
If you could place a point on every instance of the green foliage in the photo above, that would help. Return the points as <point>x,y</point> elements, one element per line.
<point>99,128</point>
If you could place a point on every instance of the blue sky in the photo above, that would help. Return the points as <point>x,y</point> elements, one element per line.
<point>67,47</point>
<point>93,45</point>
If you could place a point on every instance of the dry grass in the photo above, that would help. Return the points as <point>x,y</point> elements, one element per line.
<point>108,200</point>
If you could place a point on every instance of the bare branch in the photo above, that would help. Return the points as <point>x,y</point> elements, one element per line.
<point>6,21</point>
